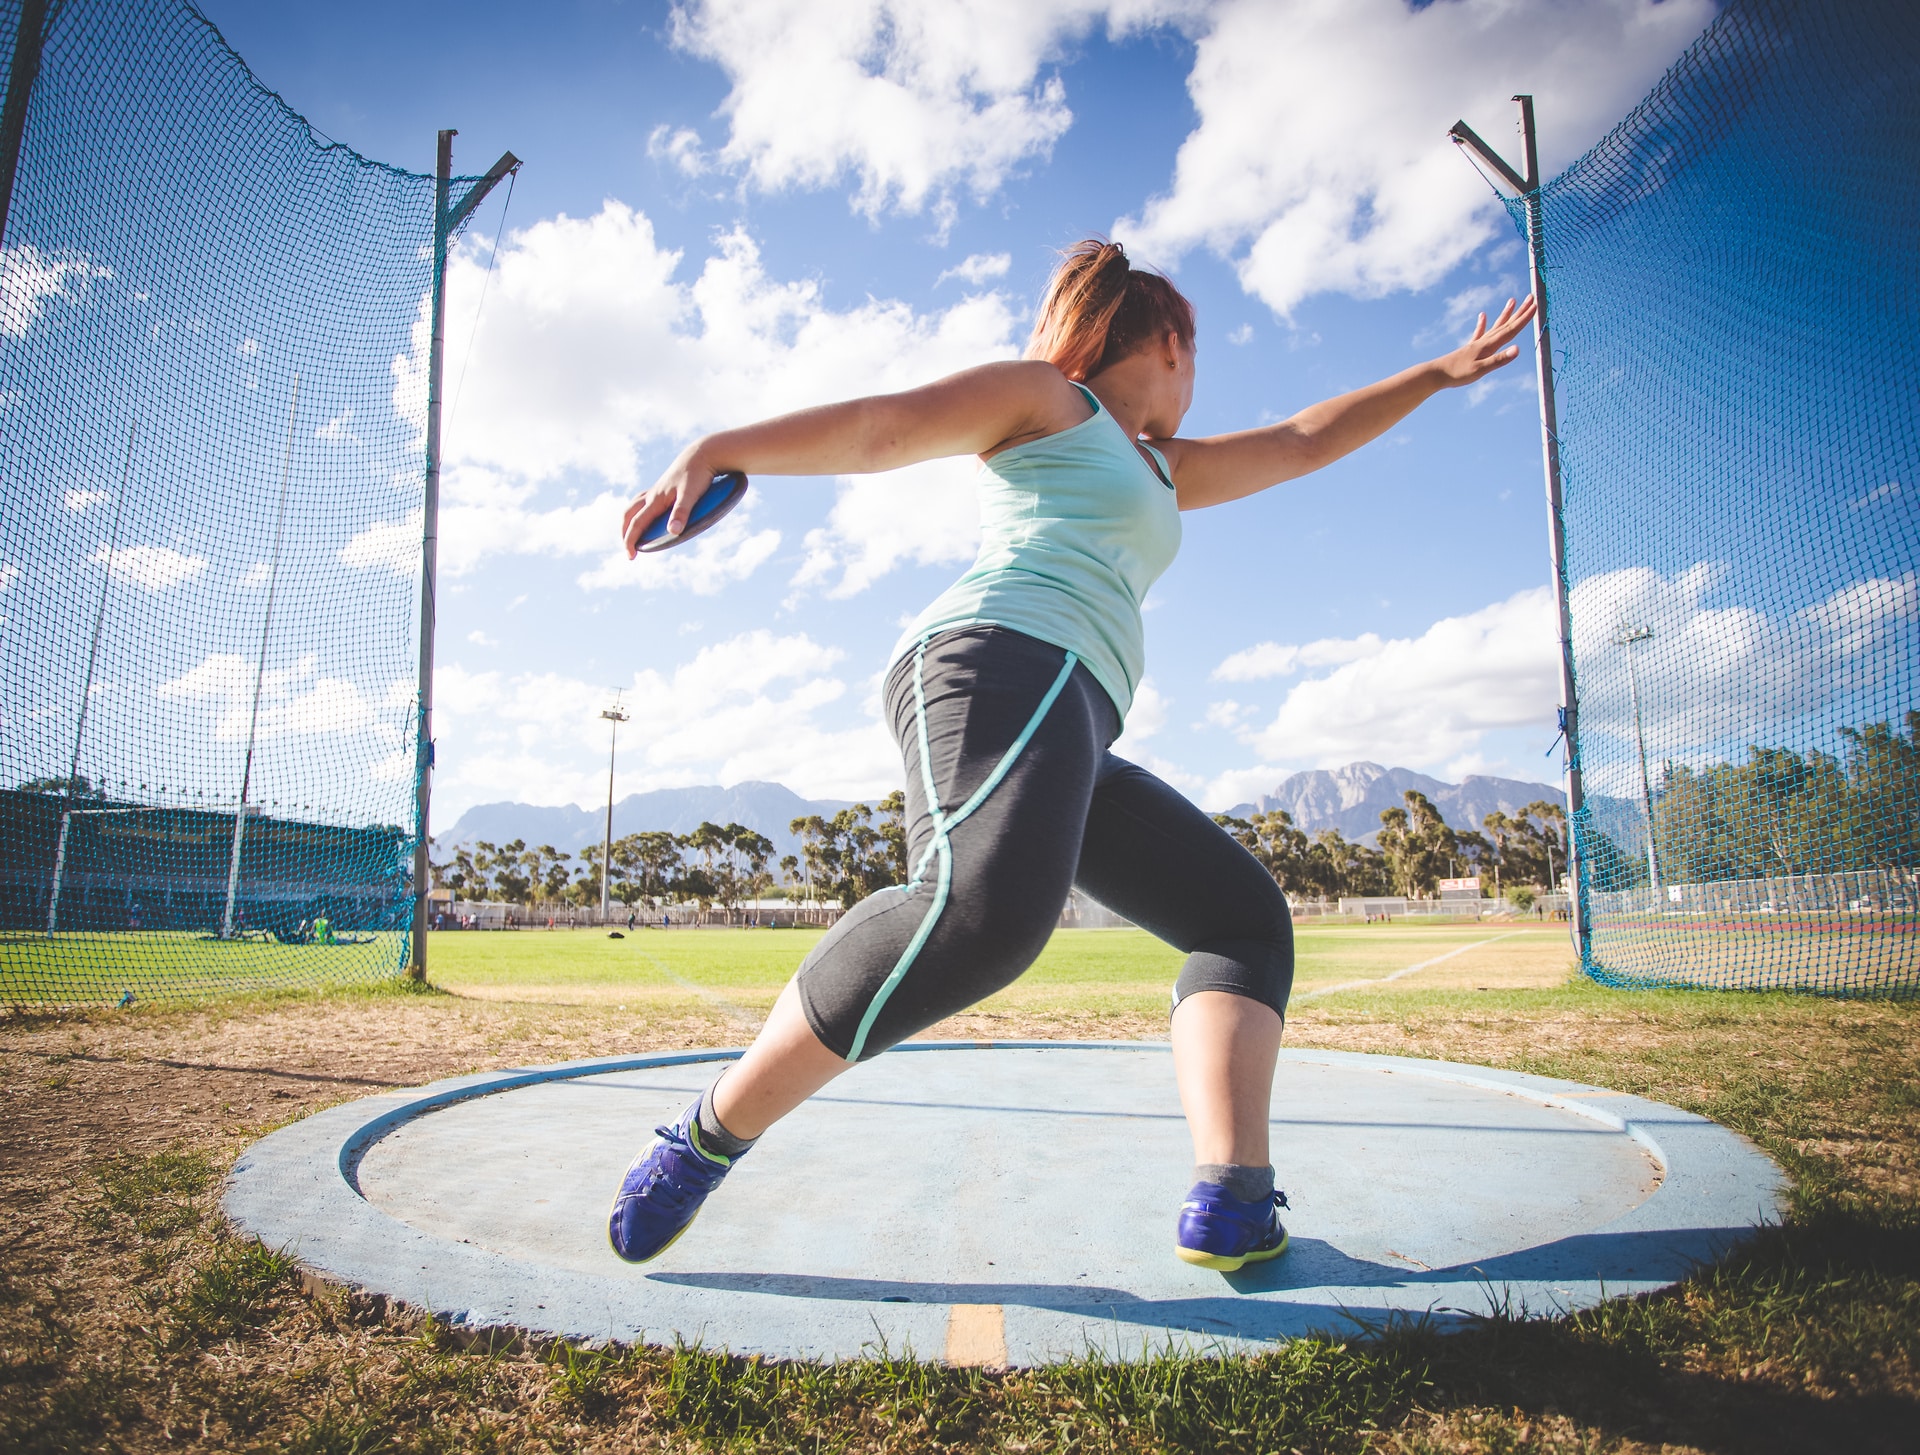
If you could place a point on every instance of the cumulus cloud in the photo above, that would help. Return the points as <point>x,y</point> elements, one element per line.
<point>294,701</point>
<point>977,268</point>
<point>928,96</point>
<point>593,350</point>
<point>1413,700</point>
<point>1321,163</point>
<point>1280,659</point>
<point>755,706</point>
<point>30,278</point>
<point>79,501</point>
<point>151,568</point>
<point>1714,677</point>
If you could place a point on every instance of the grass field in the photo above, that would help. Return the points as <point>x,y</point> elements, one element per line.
<point>131,1319</point>
<point>1081,972</point>
<point>82,967</point>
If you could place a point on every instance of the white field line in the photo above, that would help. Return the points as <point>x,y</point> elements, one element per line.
<point>731,1009</point>
<point>1410,970</point>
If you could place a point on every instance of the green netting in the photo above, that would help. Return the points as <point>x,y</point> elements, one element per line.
<point>212,404</point>
<point>1732,275</point>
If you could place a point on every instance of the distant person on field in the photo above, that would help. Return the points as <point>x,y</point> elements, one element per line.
<point>1006,696</point>
<point>322,930</point>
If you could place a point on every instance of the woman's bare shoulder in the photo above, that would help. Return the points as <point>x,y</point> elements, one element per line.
<point>1048,401</point>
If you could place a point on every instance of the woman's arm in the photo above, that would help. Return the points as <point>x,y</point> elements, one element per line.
<point>1227,467</point>
<point>969,413</point>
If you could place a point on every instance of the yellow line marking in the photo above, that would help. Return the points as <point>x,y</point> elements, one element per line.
<point>1411,969</point>
<point>977,1336</point>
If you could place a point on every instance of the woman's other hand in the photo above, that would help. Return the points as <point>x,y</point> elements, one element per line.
<point>1489,348</point>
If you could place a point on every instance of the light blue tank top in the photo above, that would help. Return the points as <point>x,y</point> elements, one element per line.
<point>1074,527</point>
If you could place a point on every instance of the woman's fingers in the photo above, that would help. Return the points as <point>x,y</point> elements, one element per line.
<point>641,514</point>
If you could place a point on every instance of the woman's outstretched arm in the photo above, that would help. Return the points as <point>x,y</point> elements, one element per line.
<point>1227,467</point>
<point>969,413</point>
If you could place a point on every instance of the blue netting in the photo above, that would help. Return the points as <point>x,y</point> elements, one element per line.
<point>212,397</point>
<point>1734,276</point>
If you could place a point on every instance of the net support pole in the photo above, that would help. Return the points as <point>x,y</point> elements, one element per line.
<point>1528,188</point>
<point>448,215</point>
<point>28,41</point>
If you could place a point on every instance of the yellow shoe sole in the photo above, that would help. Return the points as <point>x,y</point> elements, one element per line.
<point>1221,1263</point>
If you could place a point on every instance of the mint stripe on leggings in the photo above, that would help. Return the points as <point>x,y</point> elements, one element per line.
<point>1012,799</point>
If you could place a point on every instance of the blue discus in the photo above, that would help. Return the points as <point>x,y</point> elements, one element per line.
<point>722,495</point>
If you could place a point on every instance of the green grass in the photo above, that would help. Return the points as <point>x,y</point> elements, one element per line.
<point>1085,971</point>
<point>86,968</point>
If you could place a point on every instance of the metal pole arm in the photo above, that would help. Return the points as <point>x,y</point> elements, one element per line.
<point>1464,135</point>
<point>476,194</point>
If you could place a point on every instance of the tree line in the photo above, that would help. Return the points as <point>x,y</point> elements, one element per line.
<point>842,858</point>
<point>1417,848</point>
<point>1783,813</point>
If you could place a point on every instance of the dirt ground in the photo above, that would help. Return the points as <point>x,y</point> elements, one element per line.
<point>1820,1082</point>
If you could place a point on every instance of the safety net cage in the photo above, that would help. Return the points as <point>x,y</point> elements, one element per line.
<point>1734,280</point>
<point>213,346</point>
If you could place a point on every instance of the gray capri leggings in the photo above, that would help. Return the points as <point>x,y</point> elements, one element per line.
<point>1013,799</point>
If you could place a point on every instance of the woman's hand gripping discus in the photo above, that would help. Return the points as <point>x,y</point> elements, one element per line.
<point>678,508</point>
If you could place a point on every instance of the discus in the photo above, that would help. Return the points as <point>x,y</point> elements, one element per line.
<point>721,496</point>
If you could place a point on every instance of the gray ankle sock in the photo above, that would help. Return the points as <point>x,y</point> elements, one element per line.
<point>1243,1184</point>
<point>714,1137</point>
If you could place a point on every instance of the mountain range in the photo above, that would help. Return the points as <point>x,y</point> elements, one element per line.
<point>765,807</point>
<point>1348,799</point>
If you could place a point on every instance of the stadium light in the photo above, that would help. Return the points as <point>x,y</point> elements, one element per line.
<point>614,717</point>
<point>1626,637</point>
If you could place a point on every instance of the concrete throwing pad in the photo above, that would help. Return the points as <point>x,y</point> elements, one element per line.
<point>1001,1203</point>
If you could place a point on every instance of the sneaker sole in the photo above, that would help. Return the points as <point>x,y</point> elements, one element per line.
<point>657,1251</point>
<point>1223,1263</point>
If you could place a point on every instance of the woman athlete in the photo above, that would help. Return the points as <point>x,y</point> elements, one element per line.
<point>1005,697</point>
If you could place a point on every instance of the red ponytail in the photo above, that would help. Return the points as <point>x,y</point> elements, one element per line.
<point>1099,308</point>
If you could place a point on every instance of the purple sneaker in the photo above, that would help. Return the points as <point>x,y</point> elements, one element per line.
<point>663,1189</point>
<point>1217,1230</point>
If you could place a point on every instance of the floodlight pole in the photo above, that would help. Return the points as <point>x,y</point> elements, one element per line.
<point>448,217</point>
<point>1528,188</point>
<point>614,717</point>
<point>1628,635</point>
<point>260,669</point>
<point>86,688</point>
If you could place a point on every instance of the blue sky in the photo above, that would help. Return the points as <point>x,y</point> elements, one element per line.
<point>735,208</point>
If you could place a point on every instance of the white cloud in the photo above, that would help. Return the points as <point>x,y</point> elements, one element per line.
<point>1422,700</point>
<point>294,701</point>
<point>978,268</point>
<point>1241,335</point>
<point>751,707</point>
<point>922,97</point>
<point>1277,659</point>
<point>1145,718</point>
<point>339,429</point>
<point>1888,491</point>
<point>258,574</point>
<point>393,545</point>
<point>680,149</point>
<point>9,573</point>
<point>591,352</point>
<point>29,277</point>
<point>1715,678</point>
<point>481,639</point>
<point>152,568</point>
<point>1321,162</point>
<point>727,553</point>
<point>80,501</point>
<point>246,348</point>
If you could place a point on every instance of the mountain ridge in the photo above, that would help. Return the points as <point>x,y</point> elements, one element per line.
<point>1349,799</point>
